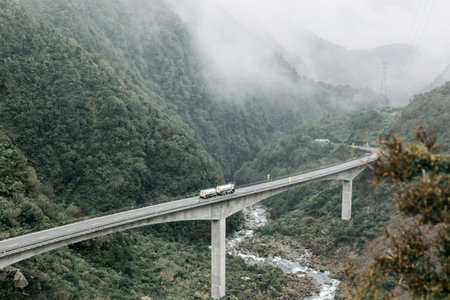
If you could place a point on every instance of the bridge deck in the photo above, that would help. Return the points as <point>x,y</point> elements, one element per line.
<point>29,241</point>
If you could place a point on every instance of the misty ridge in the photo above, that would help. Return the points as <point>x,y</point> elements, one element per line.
<point>204,61</point>
<point>240,53</point>
<point>236,56</point>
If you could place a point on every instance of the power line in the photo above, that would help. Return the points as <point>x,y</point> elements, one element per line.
<point>417,20</point>
<point>422,16</point>
<point>413,32</point>
<point>414,53</point>
<point>444,54</point>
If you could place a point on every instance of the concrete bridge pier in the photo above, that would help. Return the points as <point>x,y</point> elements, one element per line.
<point>347,199</point>
<point>347,183</point>
<point>218,258</point>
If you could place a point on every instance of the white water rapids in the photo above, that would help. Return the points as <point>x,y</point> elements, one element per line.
<point>256,217</point>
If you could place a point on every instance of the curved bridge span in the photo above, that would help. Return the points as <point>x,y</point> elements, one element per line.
<point>215,209</point>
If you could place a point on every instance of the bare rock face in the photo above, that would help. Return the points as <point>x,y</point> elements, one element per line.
<point>20,282</point>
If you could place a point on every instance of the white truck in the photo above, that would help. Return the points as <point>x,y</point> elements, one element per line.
<point>219,190</point>
<point>225,189</point>
<point>208,193</point>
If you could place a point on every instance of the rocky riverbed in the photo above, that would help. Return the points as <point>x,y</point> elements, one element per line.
<point>286,254</point>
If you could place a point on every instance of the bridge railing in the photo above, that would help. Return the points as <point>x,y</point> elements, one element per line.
<point>298,173</point>
<point>165,199</point>
<point>98,214</point>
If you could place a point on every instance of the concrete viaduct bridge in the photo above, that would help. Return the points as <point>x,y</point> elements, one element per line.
<point>216,209</point>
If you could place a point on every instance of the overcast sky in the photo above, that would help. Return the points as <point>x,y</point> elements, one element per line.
<point>357,23</point>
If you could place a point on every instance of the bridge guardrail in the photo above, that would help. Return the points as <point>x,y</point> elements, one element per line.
<point>142,205</point>
<point>299,173</point>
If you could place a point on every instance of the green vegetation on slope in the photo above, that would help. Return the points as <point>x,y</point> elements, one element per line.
<point>24,204</point>
<point>151,50</point>
<point>291,154</point>
<point>78,102</point>
<point>96,142</point>
<point>431,111</point>
<point>97,145</point>
<point>416,253</point>
<point>359,127</point>
<point>311,214</point>
<point>134,264</point>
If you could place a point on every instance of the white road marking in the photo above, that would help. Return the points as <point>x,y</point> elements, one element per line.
<point>118,218</point>
<point>42,237</point>
<point>69,230</point>
<point>139,214</point>
<point>94,224</point>
<point>12,245</point>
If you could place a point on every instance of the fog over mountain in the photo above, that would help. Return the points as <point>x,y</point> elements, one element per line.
<point>394,49</point>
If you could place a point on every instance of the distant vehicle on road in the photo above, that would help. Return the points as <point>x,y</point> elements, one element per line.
<point>219,190</point>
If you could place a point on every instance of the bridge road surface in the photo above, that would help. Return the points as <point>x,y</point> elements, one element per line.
<point>61,233</point>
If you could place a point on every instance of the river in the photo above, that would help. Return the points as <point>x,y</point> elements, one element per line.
<point>296,262</point>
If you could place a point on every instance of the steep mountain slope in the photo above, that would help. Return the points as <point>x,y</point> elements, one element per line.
<point>24,200</point>
<point>430,110</point>
<point>228,36</point>
<point>357,127</point>
<point>73,140</point>
<point>407,69</point>
<point>94,140</point>
<point>98,108</point>
<point>311,214</point>
<point>151,49</point>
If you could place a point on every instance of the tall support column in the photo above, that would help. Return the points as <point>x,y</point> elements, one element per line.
<point>218,258</point>
<point>347,199</point>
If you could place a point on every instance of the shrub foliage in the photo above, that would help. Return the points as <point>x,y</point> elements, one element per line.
<point>418,248</point>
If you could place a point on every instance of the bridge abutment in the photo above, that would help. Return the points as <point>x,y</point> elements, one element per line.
<point>218,258</point>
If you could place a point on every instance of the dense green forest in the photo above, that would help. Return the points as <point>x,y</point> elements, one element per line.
<point>76,140</point>
<point>103,106</point>
<point>311,213</point>
<point>94,140</point>
<point>148,46</point>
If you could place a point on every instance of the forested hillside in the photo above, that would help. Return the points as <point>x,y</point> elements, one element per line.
<point>107,104</point>
<point>431,110</point>
<point>150,48</point>
<point>24,200</point>
<point>93,139</point>
<point>311,214</point>
<point>75,140</point>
